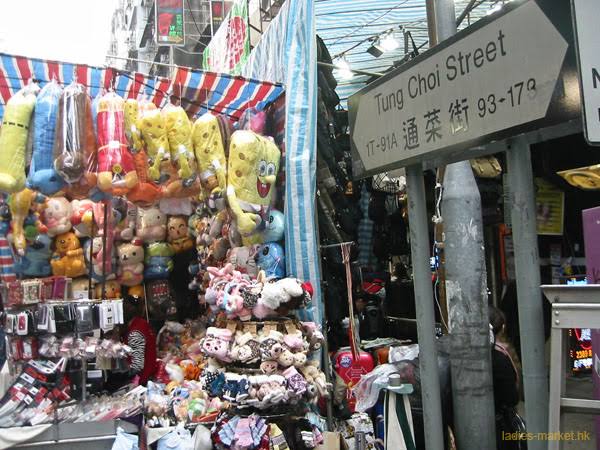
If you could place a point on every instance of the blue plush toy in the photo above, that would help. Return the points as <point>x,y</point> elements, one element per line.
<point>42,175</point>
<point>274,227</point>
<point>158,261</point>
<point>271,259</point>
<point>36,261</point>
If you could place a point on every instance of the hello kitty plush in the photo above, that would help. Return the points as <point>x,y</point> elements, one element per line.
<point>131,266</point>
<point>151,224</point>
<point>57,216</point>
<point>81,217</point>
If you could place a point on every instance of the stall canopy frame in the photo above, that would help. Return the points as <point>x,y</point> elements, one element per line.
<point>198,90</point>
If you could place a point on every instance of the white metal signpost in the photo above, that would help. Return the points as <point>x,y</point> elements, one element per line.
<point>586,14</point>
<point>500,76</point>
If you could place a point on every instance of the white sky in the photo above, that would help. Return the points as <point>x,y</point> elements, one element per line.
<point>75,31</point>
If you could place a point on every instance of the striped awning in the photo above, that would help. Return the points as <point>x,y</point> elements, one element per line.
<point>347,25</point>
<point>199,91</point>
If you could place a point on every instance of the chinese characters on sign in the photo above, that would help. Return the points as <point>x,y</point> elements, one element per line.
<point>169,22</point>
<point>499,76</point>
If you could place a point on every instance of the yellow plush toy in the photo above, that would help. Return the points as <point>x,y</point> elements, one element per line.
<point>210,154</point>
<point>154,130</point>
<point>251,175</point>
<point>133,133</point>
<point>179,132</point>
<point>68,259</point>
<point>13,139</point>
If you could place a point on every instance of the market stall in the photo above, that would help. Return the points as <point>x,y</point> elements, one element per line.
<point>120,188</point>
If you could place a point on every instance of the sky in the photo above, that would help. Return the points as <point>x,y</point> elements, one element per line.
<point>75,31</point>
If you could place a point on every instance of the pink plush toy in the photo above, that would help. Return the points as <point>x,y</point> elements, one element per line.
<point>81,217</point>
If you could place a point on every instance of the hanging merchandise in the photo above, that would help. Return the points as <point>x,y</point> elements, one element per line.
<point>210,155</point>
<point>7,269</point>
<point>20,204</point>
<point>116,169</point>
<point>251,174</point>
<point>154,130</point>
<point>13,138</point>
<point>179,132</point>
<point>42,175</point>
<point>56,216</point>
<point>68,256</point>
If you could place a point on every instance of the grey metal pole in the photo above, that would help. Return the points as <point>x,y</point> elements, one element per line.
<point>466,284</point>
<point>468,321</point>
<point>421,251</point>
<point>530,301</point>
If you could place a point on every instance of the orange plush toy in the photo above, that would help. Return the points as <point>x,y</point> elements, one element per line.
<point>68,258</point>
<point>116,169</point>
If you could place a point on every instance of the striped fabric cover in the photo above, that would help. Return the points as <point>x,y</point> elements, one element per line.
<point>200,91</point>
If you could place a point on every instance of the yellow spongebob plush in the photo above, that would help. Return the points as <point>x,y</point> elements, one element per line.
<point>210,154</point>
<point>251,175</point>
<point>154,130</point>
<point>132,131</point>
<point>179,132</point>
<point>13,140</point>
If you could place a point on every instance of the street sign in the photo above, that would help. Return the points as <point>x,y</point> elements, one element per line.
<point>585,24</point>
<point>494,76</point>
<point>169,22</point>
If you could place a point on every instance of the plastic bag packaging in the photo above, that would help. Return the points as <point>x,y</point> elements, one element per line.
<point>403,353</point>
<point>202,439</point>
<point>179,132</point>
<point>154,131</point>
<point>125,441</point>
<point>210,154</point>
<point>13,138</point>
<point>145,193</point>
<point>367,389</point>
<point>179,439</point>
<point>253,120</point>
<point>116,168</point>
<point>42,175</point>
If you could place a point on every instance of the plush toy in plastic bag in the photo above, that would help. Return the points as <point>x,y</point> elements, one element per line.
<point>179,131</point>
<point>70,138</point>
<point>145,193</point>
<point>7,267</point>
<point>81,217</point>
<point>76,123</point>
<point>42,175</point>
<point>151,224</point>
<point>93,258</point>
<point>154,130</point>
<point>271,258</point>
<point>68,257</point>
<point>251,175</point>
<point>178,234</point>
<point>116,169</point>
<point>210,154</point>
<point>253,120</point>
<point>13,138</point>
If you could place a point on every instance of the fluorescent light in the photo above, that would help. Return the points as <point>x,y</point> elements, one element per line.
<point>343,69</point>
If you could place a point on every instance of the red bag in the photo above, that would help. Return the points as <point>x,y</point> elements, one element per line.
<point>351,370</point>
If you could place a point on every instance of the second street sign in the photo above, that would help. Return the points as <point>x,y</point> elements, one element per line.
<point>497,77</point>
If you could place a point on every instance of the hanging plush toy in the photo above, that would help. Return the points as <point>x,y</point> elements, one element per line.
<point>274,226</point>
<point>42,175</point>
<point>271,258</point>
<point>94,262</point>
<point>68,256</point>
<point>7,269</point>
<point>151,224</point>
<point>105,224</point>
<point>178,234</point>
<point>76,123</point>
<point>116,169</point>
<point>179,132</point>
<point>81,217</point>
<point>154,130</point>
<point>210,154</point>
<point>57,216</point>
<point>20,204</point>
<point>131,263</point>
<point>36,261</point>
<point>13,139</point>
<point>251,175</point>
<point>145,193</point>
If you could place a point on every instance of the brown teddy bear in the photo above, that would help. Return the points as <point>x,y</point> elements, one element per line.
<point>68,257</point>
